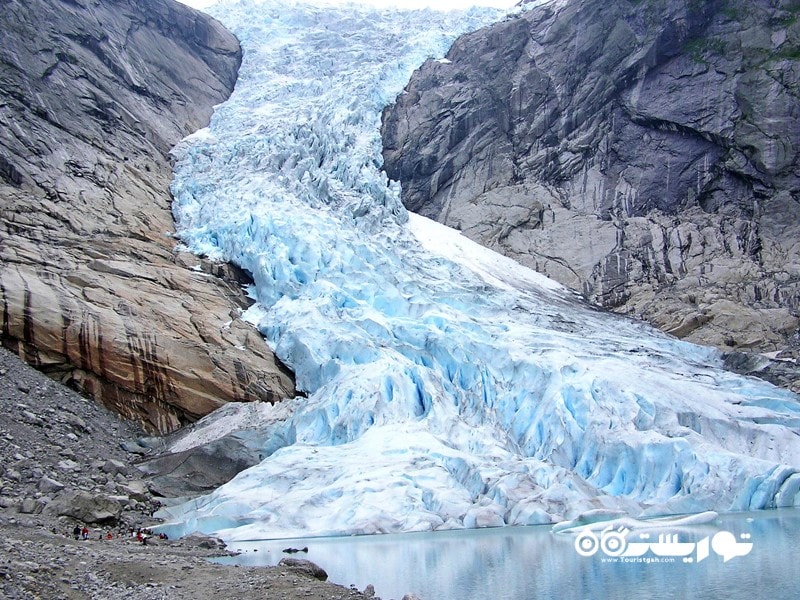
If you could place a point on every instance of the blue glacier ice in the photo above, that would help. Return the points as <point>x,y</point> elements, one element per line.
<point>446,386</point>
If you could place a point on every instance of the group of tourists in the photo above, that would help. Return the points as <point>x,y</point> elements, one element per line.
<point>141,534</point>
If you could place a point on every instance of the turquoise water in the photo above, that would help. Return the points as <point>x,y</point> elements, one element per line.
<point>526,563</point>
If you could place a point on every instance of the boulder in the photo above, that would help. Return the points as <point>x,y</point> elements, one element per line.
<point>77,423</point>
<point>112,467</point>
<point>68,465</point>
<point>48,486</point>
<point>304,567</point>
<point>31,506</point>
<point>32,419</point>
<point>85,506</point>
<point>92,288</point>
<point>136,490</point>
<point>133,448</point>
<point>199,540</point>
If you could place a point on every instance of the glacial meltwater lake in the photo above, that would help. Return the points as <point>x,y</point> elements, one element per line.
<point>528,563</point>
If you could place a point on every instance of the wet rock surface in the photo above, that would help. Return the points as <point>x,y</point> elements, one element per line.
<point>93,95</point>
<point>70,457</point>
<point>642,153</point>
<point>198,470</point>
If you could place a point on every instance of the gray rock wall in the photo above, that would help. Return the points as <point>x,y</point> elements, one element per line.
<point>93,94</point>
<point>642,153</point>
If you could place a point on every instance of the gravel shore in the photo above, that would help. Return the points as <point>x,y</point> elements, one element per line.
<point>64,464</point>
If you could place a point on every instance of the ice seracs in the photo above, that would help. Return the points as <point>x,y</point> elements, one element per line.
<point>447,386</point>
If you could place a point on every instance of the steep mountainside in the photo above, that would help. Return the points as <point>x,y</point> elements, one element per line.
<point>643,153</point>
<point>92,97</point>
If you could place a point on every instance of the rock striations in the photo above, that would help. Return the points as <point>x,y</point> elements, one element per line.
<point>92,97</point>
<point>643,153</point>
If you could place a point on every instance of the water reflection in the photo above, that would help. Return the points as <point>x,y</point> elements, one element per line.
<point>531,562</point>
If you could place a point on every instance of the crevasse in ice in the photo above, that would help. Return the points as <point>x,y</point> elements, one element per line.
<point>447,386</point>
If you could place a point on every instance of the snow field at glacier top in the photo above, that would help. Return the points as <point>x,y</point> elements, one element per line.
<point>447,386</point>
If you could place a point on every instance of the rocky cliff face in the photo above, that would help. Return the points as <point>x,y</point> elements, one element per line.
<point>93,94</point>
<point>643,153</point>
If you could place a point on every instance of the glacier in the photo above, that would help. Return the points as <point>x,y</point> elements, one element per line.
<point>445,386</point>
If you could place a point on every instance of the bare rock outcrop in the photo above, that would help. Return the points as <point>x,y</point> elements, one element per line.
<point>643,153</point>
<point>93,95</point>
